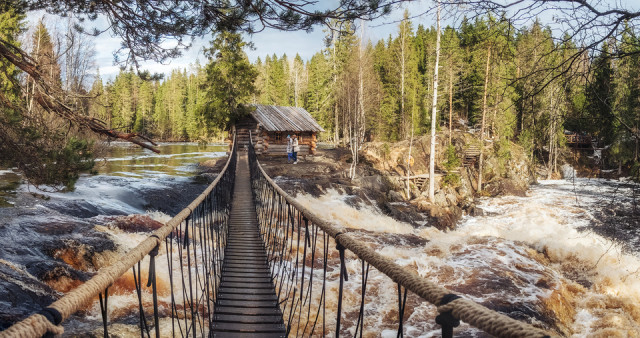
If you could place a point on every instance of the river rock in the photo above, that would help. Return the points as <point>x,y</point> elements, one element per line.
<point>403,212</point>
<point>440,199</point>
<point>503,186</point>
<point>21,294</point>
<point>395,196</point>
<point>451,196</point>
<point>422,203</point>
<point>374,182</point>
<point>135,223</point>
<point>477,211</point>
<point>542,171</point>
<point>465,189</point>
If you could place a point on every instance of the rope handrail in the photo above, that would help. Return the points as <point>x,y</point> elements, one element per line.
<point>453,307</point>
<point>49,319</point>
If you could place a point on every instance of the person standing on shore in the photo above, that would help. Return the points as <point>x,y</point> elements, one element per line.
<point>289,149</point>
<point>296,148</point>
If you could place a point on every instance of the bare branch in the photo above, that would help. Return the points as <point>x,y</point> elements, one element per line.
<point>52,103</point>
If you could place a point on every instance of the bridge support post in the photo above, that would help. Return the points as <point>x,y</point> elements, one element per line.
<point>343,277</point>
<point>152,283</point>
<point>104,311</point>
<point>446,318</point>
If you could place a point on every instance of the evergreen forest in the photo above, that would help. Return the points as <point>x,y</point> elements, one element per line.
<point>530,86</point>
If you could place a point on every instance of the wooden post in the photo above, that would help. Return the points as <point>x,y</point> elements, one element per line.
<point>259,142</point>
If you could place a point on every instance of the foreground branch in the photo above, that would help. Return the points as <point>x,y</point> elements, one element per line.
<point>52,104</point>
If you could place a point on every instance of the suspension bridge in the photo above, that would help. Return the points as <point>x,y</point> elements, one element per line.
<point>245,259</point>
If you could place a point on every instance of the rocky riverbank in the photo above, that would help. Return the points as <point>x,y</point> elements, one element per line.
<point>381,178</point>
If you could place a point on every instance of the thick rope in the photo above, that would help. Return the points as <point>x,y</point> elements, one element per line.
<point>466,310</point>
<point>76,299</point>
<point>34,326</point>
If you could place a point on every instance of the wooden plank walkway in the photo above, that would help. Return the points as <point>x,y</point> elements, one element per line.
<point>247,305</point>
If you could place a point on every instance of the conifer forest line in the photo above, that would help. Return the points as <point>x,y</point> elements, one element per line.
<point>530,86</point>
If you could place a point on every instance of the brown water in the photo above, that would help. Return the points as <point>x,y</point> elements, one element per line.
<point>541,258</point>
<point>53,241</point>
<point>535,258</point>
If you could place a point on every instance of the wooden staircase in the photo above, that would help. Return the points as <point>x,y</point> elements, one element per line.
<point>471,155</point>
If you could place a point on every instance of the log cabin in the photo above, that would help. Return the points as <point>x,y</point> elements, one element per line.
<point>270,125</point>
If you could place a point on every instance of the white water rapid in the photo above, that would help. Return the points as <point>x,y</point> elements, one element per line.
<point>537,258</point>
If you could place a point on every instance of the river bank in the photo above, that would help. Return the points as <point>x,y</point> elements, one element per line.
<point>381,179</point>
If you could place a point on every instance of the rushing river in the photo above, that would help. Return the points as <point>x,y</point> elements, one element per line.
<point>566,257</point>
<point>53,241</point>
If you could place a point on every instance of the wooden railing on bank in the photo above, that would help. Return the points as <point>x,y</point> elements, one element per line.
<point>578,139</point>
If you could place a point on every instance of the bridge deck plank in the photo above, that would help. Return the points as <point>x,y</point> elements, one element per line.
<point>256,311</point>
<point>246,304</point>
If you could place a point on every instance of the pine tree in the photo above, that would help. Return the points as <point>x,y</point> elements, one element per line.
<point>11,23</point>
<point>123,113</point>
<point>298,80</point>
<point>31,138</point>
<point>161,114</point>
<point>386,126</point>
<point>470,94</point>
<point>341,43</point>
<point>452,69</point>
<point>144,108</point>
<point>319,91</point>
<point>44,55</point>
<point>626,98</point>
<point>175,101</point>
<point>405,61</point>
<point>600,95</point>
<point>196,97</point>
<point>261,83</point>
<point>230,79</point>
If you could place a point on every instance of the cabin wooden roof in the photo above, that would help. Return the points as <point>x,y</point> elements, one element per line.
<point>279,118</point>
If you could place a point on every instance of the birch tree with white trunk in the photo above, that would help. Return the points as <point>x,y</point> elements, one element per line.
<point>432,154</point>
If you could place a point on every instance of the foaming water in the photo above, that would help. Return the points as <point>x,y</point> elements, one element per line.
<point>54,241</point>
<point>335,207</point>
<point>123,298</point>
<point>130,180</point>
<point>533,258</point>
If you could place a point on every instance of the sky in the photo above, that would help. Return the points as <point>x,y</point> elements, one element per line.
<point>267,42</point>
<point>273,41</point>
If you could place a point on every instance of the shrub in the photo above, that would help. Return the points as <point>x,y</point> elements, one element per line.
<point>451,179</point>
<point>452,160</point>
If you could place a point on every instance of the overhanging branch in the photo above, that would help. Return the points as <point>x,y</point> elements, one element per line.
<point>50,102</point>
